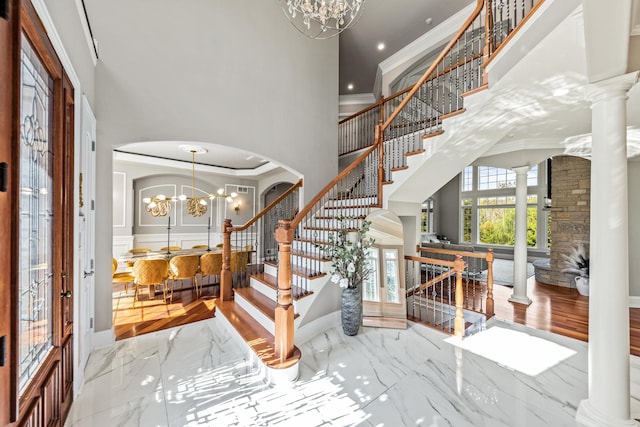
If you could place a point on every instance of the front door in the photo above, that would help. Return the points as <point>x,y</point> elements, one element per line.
<point>37,149</point>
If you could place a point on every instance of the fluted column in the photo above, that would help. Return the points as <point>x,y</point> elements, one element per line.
<point>609,386</point>
<point>519,294</point>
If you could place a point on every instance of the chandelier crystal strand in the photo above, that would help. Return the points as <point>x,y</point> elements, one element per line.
<point>322,19</point>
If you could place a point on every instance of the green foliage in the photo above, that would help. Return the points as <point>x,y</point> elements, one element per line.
<point>347,250</point>
<point>497,226</point>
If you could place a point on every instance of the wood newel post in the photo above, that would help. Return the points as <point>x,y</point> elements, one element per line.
<point>226,277</point>
<point>380,143</point>
<point>490,308</point>
<point>458,325</point>
<point>284,310</point>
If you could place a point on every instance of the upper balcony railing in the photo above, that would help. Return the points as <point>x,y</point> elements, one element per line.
<point>418,110</point>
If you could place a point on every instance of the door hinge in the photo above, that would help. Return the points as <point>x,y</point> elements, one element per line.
<point>93,205</point>
<point>93,145</point>
<point>4,172</point>
<point>4,9</point>
<point>3,350</point>
<point>91,323</point>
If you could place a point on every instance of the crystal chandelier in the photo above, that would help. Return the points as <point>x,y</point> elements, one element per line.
<point>322,19</point>
<point>160,205</point>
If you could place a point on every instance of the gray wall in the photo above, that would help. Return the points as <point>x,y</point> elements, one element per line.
<point>227,72</point>
<point>138,176</point>
<point>448,210</point>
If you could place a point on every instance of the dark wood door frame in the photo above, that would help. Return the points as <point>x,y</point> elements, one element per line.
<point>46,399</point>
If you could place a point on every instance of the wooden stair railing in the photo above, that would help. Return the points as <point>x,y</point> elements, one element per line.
<point>419,109</point>
<point>471,274</point>
<point>247,240</point>
<point>414,113</point>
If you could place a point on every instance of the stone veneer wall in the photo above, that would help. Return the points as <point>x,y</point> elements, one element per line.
<point>571,206</point>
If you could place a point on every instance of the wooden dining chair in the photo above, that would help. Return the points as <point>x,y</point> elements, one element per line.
<point>210,265</point>
<point>171,248</point>
<point>151,272</point>
<point>125,277</point>
<point>200,247</point>
<point>184,267</point>
<point>136,251</point>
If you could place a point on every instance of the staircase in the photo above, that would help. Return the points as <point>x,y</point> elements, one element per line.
<point>285,295</point>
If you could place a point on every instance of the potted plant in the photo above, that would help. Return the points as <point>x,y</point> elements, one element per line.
<point>577,262</point>
<point>348,250</point>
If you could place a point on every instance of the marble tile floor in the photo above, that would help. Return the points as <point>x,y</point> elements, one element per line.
<point>198,374</point>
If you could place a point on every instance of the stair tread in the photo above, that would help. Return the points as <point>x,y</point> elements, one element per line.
<point>271,281</point>
<point>263,303</point>
<point>316,257</point>
<point>432,134</point>
<point>301,271</point>
<point>335,217</point>
<point>348,206</point>
<point>261,342</point>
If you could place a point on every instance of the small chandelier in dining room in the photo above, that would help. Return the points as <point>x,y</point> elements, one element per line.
<point>322,19</point>
<point>160,205</point>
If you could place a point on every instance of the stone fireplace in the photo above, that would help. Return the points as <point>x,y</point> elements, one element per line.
<point>571,199</point>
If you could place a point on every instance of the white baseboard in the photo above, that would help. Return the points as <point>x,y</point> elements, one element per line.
<point>103,338</point>
<point>318,326</point>
<point>634,302</point>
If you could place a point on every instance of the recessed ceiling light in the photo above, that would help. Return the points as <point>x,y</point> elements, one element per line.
<point>561,91</point>
<point>381,46</point>
<point>429,21</point>
<point>350,86</point>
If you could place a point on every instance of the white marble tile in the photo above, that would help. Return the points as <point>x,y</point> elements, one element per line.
<point>202,345</point>
<point>198,375</point>
<point>143,411</point>
<point>128,370</point>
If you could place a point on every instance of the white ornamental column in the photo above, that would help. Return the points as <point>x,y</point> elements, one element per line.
<point>519,294</point>
<point>609,389</point>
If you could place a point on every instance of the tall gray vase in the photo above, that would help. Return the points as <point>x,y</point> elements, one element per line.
<point>351,310</point>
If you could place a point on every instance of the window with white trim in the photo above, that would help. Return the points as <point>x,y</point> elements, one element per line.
<point>487,203</point>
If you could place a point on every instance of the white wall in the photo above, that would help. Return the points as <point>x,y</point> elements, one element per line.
<point>68,23</point>
<point>633,174</point>
<point>226,72</point>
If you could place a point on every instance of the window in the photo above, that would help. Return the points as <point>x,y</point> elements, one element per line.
<point>391,272</point>
<point>370,285</point>
<point>488,206</point>
<point>426,218</point>
<point>36,215</point>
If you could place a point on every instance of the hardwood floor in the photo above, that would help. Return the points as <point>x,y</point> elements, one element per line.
<point>555,309</point>
<point>154,315</point>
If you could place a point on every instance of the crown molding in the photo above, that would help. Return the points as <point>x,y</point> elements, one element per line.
<point>357,99</point>
<point>177,164</point>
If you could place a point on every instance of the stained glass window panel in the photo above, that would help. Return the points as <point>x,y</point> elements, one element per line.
<point>36,214</point>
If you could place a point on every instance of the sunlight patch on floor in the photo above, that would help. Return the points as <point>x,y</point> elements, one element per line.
<point>514,350</point>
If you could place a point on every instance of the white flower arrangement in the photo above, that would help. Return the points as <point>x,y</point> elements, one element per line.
<point>347,250</point>
<point>577,261</point>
